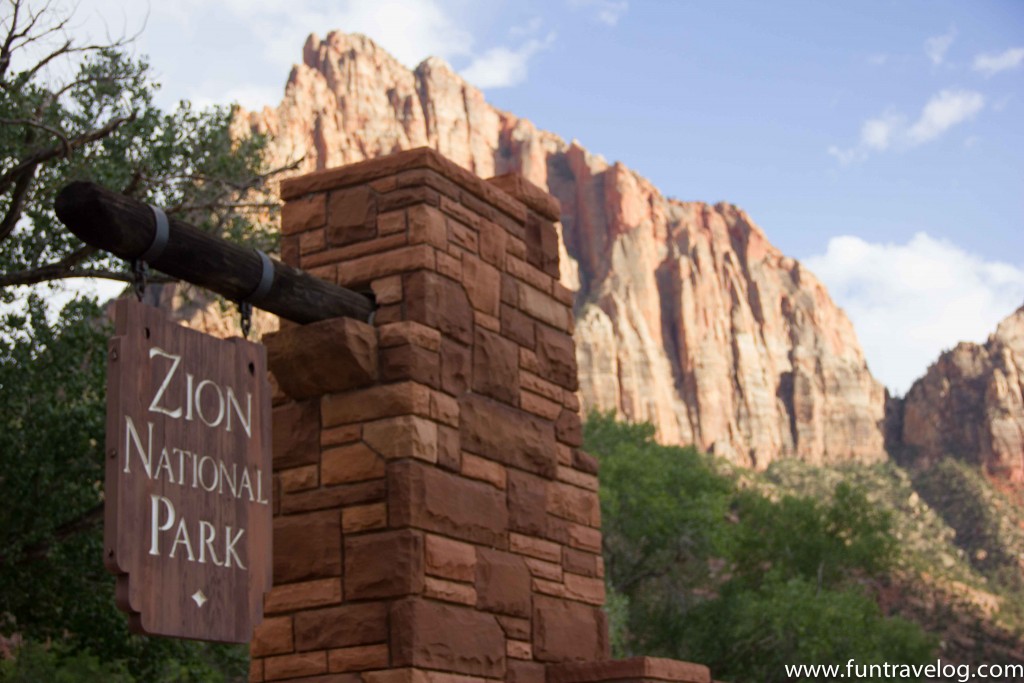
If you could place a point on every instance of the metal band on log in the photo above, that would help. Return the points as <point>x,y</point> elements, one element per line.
<point>126,228</point>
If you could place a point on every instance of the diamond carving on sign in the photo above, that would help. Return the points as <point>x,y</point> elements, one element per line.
<point>199,597</point>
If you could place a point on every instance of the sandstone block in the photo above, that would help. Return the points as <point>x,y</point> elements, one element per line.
<point>350,463</point>
<point>496,367</point>
<point>404,197</point>
<point>294,596</point>
<point>324,357</point>
<point>529,274</point>
<point>535,547</point>
<point>406,436</point>
<point>634,669</point>
<point>585,462</point>
<point>391,222</point>
<point>575,477</point>
<point>293,666</point>
<point>507,435</point>
<point>290,252</point>
<point>435,500</point>
<point>519,649</point>
<point>568,631</point>
<point>584,588</point>
<point>333,496</point>
<point>358,518</point>
<point>450,265</point>
<point>409,332</point>
<point>446,637</point>
<point>509,290</point>
<point>542,569</point>
<point>444,409</point>
<point>387,290</point>
<point>361,271</point>
<point>502,583</point>
<point>542,244</point>
<point>518,327</point>
<point>493,240</point>
<point>307,546</point>
<point>574,504</point>
<point>427,224</point>
<point>483,284</point>
<point>456,367</point>
<point>312,241</point>
<point>579,562</point>
<point>568,429</point>
<point>299,478</point>
<point>303,214</point>
<point>556,355</point>
<point>295,434</point>
<point>384,565</point>
<point>440,303</point>
<point>272,637</point>
<point>534,197</point>
<point>450,559</point>
<point>410,362</point>
<point>482,469</point>
<point>351,215</point>
<point>361,623</point>
<point>387,400</point>
<point>449,591</point>
<point>360,658</point>
<point>540,406</point>
<point>527,503</point>
<point>543,307</point>
<point>449,449</point>
<point>520,671</point>
<point>336,436</point>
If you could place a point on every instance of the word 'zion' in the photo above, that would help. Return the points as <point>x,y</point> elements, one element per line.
<point>215,407</point>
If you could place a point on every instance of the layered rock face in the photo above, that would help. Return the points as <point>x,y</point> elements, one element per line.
<point>970,405</point>
<point>687,316</point>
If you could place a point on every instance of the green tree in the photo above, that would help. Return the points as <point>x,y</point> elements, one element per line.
<point>704,567</point>
<point>73,110</point>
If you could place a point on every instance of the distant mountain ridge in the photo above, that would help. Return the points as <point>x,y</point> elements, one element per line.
<point>687,316</point>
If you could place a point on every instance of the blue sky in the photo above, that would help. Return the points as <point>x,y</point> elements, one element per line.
<point>880,142</point>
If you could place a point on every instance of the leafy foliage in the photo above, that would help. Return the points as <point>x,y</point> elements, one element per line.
<point>101,125</point>
<point>53,586</point>
<point>705,567</point>
<point>71,110</point>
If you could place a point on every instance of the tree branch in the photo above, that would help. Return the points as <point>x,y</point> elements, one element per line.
<point>52,152</point>
<point>21,186</point>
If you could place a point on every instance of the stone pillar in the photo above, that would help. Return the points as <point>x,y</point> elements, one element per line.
<point>435,519</point>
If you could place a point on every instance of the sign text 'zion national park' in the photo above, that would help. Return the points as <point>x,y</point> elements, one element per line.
<point>188,481</point>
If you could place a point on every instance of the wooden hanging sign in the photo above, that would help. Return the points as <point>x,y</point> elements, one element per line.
<point>188,478</point>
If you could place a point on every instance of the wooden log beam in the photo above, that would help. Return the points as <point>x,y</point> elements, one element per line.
<point>126,227</point>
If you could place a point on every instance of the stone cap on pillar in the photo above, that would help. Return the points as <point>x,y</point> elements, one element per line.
<point>632,670</point>
<point>496,191</point>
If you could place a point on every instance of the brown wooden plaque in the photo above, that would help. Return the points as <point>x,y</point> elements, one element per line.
<point>188,479</point>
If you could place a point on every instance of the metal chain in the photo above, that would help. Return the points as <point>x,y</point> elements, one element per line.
<point>139,271</point>
<point>246,310</point>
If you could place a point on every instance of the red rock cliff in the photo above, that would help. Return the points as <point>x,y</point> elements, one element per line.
<point>686,315</point>
<point>970,405</point>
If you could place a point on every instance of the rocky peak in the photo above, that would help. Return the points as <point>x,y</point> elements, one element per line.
<point>687,316</point>
<point>970,405</point>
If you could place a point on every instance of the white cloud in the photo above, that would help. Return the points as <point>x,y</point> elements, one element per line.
<point>991,64</point>
<point>878,134</point>
<point>909,302</point>
<point>936,46</point>
<point>501,67</point>
<point>608,12</point>
<point>891,131</point>
<point>877,59</point>
<point>944,111</point>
